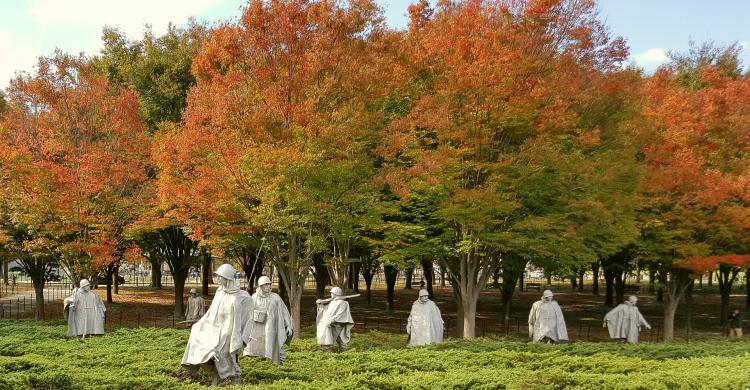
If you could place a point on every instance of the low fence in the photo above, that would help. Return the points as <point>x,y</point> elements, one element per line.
<point>118,317</point>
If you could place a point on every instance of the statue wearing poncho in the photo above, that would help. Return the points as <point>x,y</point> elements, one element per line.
<point>87,311</point>
<point>217,337</point>
<point>334,321</point>
<point>546,320</point>
<point>624,322</point>
<point>195,307</point>
<point>425,325</point>
<point>270,324</point>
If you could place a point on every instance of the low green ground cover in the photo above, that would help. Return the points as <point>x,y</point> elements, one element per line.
<point>37,356</point>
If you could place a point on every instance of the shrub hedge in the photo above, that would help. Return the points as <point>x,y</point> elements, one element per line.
<point>37,356</point>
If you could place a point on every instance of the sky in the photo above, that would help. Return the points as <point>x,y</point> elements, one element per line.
<point>30,28</point>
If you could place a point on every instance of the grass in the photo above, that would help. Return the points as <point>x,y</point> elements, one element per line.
<point>37,356</point>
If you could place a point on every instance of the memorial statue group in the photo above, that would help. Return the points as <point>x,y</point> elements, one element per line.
<point>260,325</point>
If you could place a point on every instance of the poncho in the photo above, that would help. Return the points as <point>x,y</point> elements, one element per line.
<point>546,320</point>
<point>624,322</point>
<point>425,325</point>
<point>87,310</point>
<point>266,332</point>
<point>218,335</point>
<point>195,309</point>
<point>335,311</point>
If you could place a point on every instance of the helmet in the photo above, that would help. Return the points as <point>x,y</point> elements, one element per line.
<point>424,293</point>
<point>264,280</point>
<point>226,271</point>
<point>193,291</point>
<point>547,293</point>
<point>83,283</point>
<point>337,291</point>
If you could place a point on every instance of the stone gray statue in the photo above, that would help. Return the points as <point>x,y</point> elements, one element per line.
<point>270,326</point>
<point>85,311</point>
<point>546,322</point>
<point>69,314</point>
<point>195,307</point>
<point>624,322</point>
<point>334,321</point>
<point>217,337</point>
<point>425,325</point>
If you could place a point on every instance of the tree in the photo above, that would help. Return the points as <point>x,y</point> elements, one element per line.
<point>280,98</point>
<point>695,199</point>
<point>76,155</point>
<point>488,80</point>
<point>727,269</point>
<point>159,236</point>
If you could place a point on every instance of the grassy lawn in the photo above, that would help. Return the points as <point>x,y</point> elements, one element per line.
<point>38,356</point>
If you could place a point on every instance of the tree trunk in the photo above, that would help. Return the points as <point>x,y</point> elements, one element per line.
<point>747,287</point>
<point>726,276</point>
<point>109,275</point>
<point>179,277</point>
<point>660,290</point>
<point>459,311</point>
<point>283,290</point>
<point>292,283</point>
<point>320,273</point>
<point>442,277</point>
<point>369,270</point>
<point>710,278</point>
<point>512,268</point>
<point>391,273</point>
<point>469,308</point>
<point>39,294</point>
<point>368,285</point>
<point>595,278</point>
<point>5,271</point>
<point>427,271</point>
<point>678,282</point>
<point>354,269</point>
<point>574,283</point>
<point>549,279</point>
<point>689,308</point>
<point>156,275</point>
<point>206,271</point>
<point>470,276</point>
<point>408,274</point>
<point>520,281</point>
<point>581,273</point>
<point>652,280</point>
<point>116,281</point>
<point>609,283</point>
<point>619,287</point>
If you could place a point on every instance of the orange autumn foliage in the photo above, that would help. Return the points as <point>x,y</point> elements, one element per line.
<point>74,153</point>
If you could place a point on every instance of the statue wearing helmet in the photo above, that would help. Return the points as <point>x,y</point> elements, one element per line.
<point>270,326</point>
<point>217,337</point>
<point>334,321</point>
<point>425,324</point>
<point>195,307</point>
<point>85,312</point>
<point>624,322</point>
<point>546,320</point>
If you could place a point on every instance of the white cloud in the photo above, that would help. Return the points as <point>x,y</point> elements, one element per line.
<point>650,59</point>
<point>129,16</point>
<point>19,55</point>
